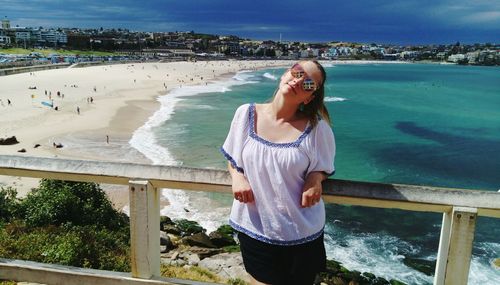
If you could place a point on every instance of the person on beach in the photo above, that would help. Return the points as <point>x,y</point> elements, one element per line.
<point>279,153</point>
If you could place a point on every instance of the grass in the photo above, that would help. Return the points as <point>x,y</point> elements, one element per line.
<point>46,52</point>
<point>191,273</point>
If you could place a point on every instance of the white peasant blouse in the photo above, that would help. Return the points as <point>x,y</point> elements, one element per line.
<point>276,173</point>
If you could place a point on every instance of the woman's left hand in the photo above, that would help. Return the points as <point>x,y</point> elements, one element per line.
<point>312,190</point>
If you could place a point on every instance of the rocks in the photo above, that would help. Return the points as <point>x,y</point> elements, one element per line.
<point>226,265</point>
<point>165,240</point>
<point>205,252</point>
<point>22,150</point>
<point>198,239</point>
<point>425,266</point>
<point>221,240</point>
<point>164,220</point>
<point>172,259</point>
<point>337,274</point>
<point>193,247</point>
<point>188,255</point>
<point>223,236</point>
<point>9,141</point>
<point>396,282</point>
<point>171,229</point>
<point>192,259</point>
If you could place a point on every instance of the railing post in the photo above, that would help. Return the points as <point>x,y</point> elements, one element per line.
<point>455,246</point>
<point>144,229</point>
<point>444,245</point>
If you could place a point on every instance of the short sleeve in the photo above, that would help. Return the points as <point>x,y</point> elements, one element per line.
<point>322,153</point>
<point>236,138</point>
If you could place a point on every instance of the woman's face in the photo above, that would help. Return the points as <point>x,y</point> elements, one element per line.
<point>299,82</point>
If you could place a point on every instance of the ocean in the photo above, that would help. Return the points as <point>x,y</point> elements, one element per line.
<point>422,124</point>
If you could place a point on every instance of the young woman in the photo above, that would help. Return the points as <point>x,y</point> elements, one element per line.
<point>279,153</point>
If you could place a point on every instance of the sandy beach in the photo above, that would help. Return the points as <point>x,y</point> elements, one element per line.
<point>95,109</point>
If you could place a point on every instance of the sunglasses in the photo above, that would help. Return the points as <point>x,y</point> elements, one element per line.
<point>298,72</point>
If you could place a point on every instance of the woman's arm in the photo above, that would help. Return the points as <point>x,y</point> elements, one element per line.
<point>312,190</point>
<point>240,186</point>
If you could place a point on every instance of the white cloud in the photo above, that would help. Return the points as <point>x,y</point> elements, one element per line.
<point>467,12</point>
<point>483,17</point>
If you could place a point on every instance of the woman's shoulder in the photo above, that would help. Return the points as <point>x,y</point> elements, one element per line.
<point>322,123</point>
<point>322,127</point>
<point>242,113</point>
<point>243,108</point>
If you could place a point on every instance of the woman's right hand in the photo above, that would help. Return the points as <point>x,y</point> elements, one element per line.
<point>241,189</point>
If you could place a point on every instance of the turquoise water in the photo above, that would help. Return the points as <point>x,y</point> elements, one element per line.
<point>400,123</point>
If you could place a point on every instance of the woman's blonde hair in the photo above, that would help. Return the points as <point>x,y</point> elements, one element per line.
<point>316,107</point>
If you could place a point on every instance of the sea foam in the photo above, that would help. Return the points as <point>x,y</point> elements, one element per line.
<point>334,99</point>
<point>269,76</point>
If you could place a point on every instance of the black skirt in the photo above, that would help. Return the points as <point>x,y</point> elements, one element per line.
<point>279,264</point>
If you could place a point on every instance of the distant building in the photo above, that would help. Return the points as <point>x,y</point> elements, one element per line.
<point>409,54</point>
<point>19,35</point>
<point>23,35</point>
<point>456,57</point>
<point>52,37</point>
<point>5,24</point>
<point>472,57</point>
<point>310,52</point>
<point>4,40</point>
<point>330,53</point>
<point>441,55</point>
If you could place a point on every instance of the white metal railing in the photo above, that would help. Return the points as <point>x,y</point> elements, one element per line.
<point>460,209</point>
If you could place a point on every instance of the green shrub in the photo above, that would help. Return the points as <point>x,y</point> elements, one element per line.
<point>56,202</point>
<point>69,223</point>
<point>188,227</point>
<point>81,246</point>
<point>8,203</point>
<point>226,230</point>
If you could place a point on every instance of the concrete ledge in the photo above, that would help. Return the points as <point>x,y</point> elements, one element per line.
<point>32,68</point>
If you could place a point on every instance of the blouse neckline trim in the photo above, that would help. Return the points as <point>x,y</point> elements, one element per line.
<point>255,136</point>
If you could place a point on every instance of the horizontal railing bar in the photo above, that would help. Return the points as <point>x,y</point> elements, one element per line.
<point>54,274</point>
<point>410,197</point>
<point>109,172</point>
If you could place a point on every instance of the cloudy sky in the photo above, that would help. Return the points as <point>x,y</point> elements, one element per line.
<point>380,21</point>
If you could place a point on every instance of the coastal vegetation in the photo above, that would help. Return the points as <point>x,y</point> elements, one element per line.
<point>74,223</point>
<point>69,223</point>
